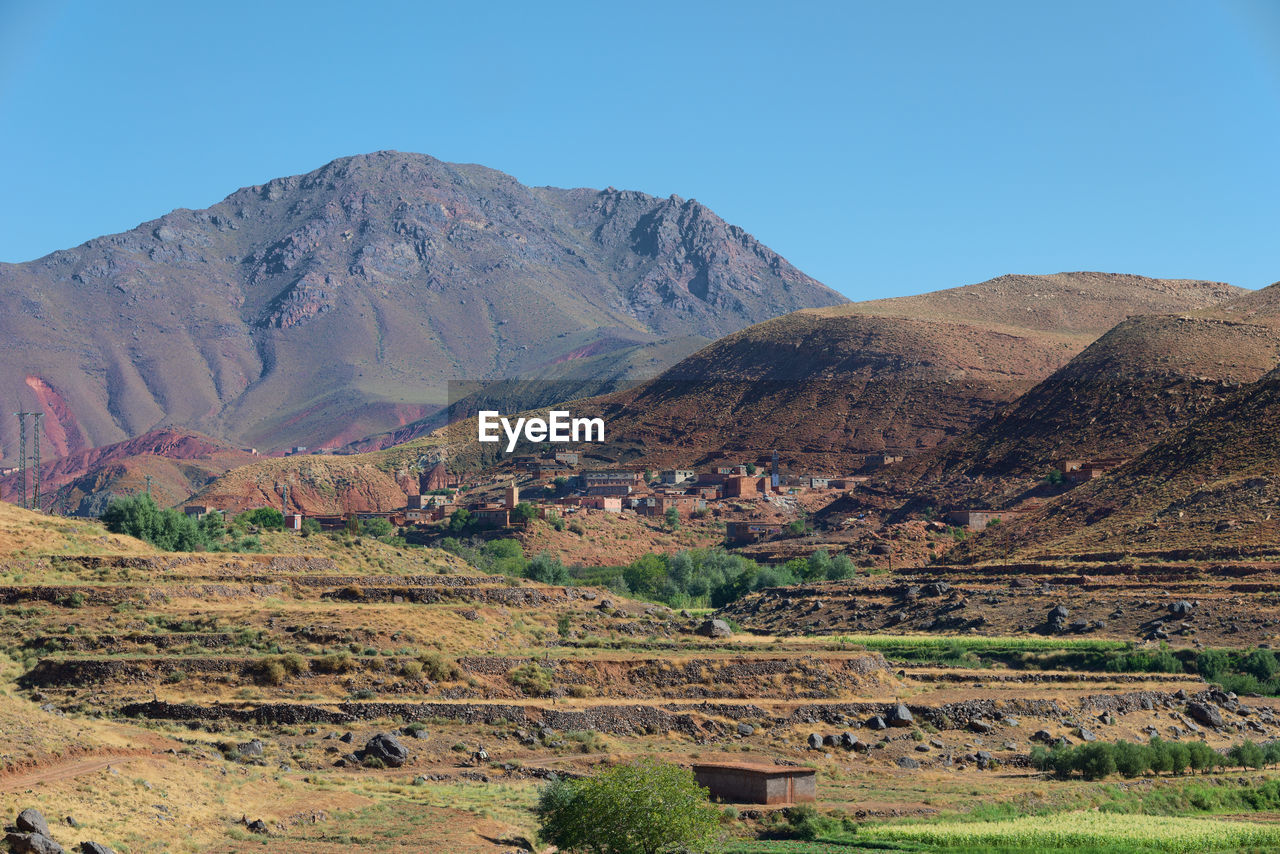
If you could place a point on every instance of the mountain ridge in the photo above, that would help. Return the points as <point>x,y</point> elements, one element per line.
<point>349,295</point>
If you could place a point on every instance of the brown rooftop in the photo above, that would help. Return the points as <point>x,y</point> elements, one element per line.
<point>754,768</point>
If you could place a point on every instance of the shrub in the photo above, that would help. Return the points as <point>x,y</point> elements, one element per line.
<point>639,808</point>
<point>547,569</point>
<point>338,662</point>
<point>411,670</point>
<point>269,671</point>
<point>531,679</point>
<point>439,669</point>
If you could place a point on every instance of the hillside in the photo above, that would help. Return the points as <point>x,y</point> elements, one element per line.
<point>1143,379</point>
<point>827,386</point>
<point>822,386</point>
<point>1207,489</point>
<point>177,462</point>
<point>24,533</point>
<point>322,308</point>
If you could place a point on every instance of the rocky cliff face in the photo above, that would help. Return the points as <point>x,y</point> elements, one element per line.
<point>320,308</point>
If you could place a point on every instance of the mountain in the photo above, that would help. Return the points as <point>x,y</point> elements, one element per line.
<point>827,386</point>
<point>1145,378</point>
<point>822,386</point>
<point>321,308</point>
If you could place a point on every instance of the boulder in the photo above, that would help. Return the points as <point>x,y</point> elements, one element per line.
<point>815,741</point>
<point>258,826</point>
<point>94,848</point>
<point>1205,714</point>
<point>900,716</point>
<point>715,629</point>
<point>908,762</point>
<point>877,723</point>
<point>31,821</point>
<point>250,748</point>
<point>386,748</point>
<point>745,729</point>
<point>1085,735</point>
<point>32,843</point>
<point>980,727</point>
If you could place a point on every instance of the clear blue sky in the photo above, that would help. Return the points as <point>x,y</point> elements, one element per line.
<point>884,148</point>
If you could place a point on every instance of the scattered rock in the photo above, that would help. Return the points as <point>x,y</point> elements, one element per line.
<point>1205,714</point>
<point>900,716</point>
<point>31,821</point>
<point>32,843</point>
<point>715,629</point>
<point>386,748</point>
<point>908,762</point>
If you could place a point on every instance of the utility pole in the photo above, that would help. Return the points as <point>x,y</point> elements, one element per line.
<point>22,456</point>
<point>285,500</point>
<point>36,416</point>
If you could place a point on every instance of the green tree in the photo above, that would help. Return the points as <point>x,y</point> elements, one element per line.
<point>1132,760</point>
<point>1055,477</point>
<point>751,468</point>
<point>460,520</point>
<point>265,518</point>
<point>377,527</point>
<point>672,518</point>
<point>817,567</point>
<point>524,512</point>
<point>1094,760</point>
<point>841,567</point>
<point>547,569</point>
<point>645,807</point>
<point>309,527</point>
<point>139,516</point>
<point>1202,757</point>
<point>1260,664</point>
<point>645,575</point>
<point>1179,757</point>
<point>1247,755</point>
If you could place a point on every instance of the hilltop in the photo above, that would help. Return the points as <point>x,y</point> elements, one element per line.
<point>318,309</point>
<point>826,386</point>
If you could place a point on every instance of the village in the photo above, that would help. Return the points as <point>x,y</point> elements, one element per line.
<point>755,501</point>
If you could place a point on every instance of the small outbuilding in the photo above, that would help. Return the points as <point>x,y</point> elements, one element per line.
<point>749,783</point>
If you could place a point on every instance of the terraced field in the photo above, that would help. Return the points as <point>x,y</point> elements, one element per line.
<point>166,703</point>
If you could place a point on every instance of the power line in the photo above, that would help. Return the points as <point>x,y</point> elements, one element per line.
<point>36,416</point>
<point>22,457</point>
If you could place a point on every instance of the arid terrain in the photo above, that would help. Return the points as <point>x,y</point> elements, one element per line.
<point>168,702</point>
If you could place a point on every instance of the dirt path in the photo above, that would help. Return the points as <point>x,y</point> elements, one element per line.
<point>23,778</point>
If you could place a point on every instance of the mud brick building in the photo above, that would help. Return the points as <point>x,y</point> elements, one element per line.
<point>758,784</point>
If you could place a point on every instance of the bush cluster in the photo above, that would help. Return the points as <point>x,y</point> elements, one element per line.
<point>1099,759</point>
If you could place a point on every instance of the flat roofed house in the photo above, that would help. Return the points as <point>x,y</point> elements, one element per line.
<point>748,783</point>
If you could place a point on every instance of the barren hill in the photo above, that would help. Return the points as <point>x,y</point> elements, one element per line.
<point>826,386</point>
<point>321,308</point>
<point>822,386</point>
<point>1146,377</point>
<point>1209,488</point>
